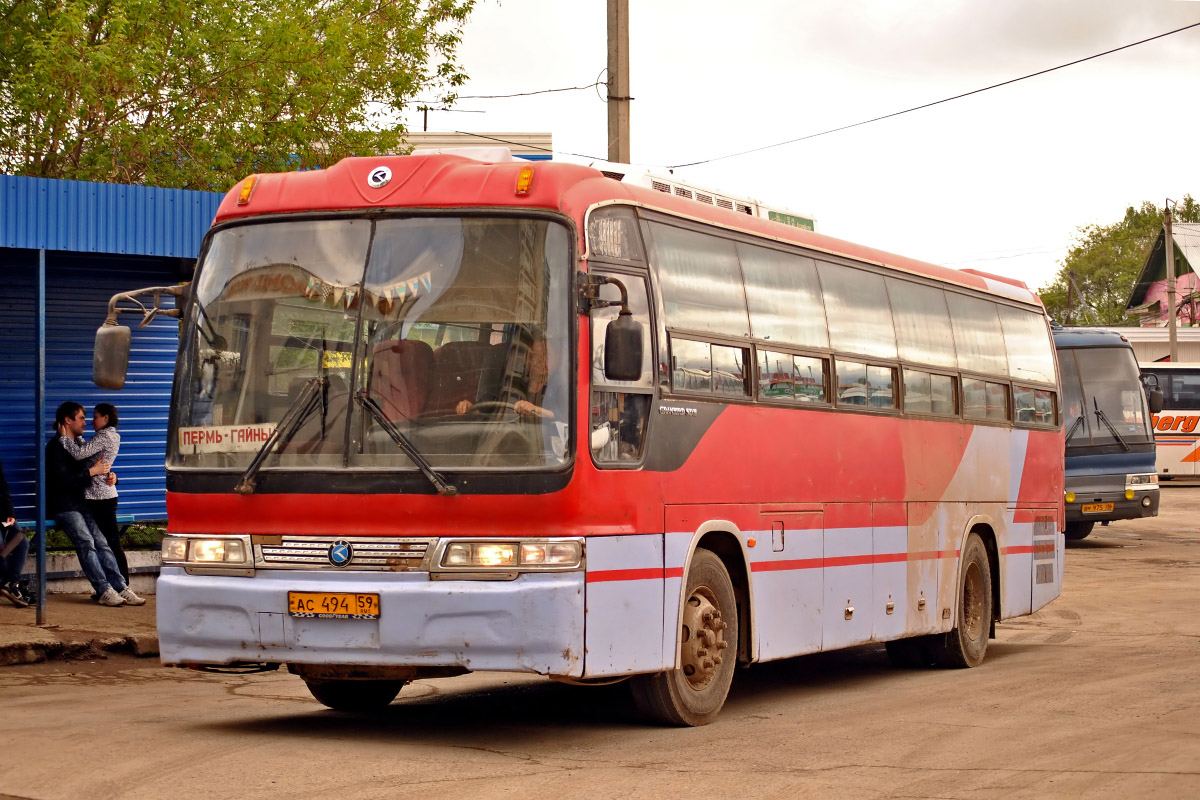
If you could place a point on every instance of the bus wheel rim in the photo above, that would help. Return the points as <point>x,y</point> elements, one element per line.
<point>703,638</point>
<point>973,600</point>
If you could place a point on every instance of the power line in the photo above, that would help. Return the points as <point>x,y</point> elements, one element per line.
<point>522,94</point>
<point>937,102</point>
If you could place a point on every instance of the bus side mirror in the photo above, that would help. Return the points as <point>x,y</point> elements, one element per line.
<point>110,359</point>
<point>623,348</point>
<point>1155,399</point>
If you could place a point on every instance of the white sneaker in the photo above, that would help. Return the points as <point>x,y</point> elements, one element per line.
<point>110,598</point>
<point>130,598</point>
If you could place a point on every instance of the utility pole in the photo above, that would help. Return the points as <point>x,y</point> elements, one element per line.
<point>618,81</point>
<point>1070,290</point>
<point>1173,336</point>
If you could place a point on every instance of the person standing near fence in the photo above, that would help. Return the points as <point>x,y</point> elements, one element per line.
<point>66,482</point>
<point>14,548</point>
<point>100,494</point>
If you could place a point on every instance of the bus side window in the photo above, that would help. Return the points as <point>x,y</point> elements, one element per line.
<point>619,426</point>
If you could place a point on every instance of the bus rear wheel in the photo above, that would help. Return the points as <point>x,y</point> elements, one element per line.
<point>966,645</point>
<point>1079,530</point>
<point>694,693</point>
<point>355,695</point>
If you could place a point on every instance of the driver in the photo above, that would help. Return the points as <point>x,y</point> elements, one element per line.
<point>539,374</point>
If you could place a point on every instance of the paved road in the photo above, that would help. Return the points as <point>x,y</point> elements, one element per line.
<point>1097,695</point>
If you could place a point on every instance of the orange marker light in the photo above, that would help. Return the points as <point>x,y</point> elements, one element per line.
<point>524,180</point>
<point>751,542</point>
<point>247,190</point>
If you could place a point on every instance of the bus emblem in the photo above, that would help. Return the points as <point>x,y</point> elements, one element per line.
<point>379,177</point>
<point>340,553</point>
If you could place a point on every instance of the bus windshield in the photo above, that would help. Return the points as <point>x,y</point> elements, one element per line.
<point>345,337</point>
<point>1103,397</point>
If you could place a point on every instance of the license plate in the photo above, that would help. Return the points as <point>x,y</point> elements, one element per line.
<point>1096,508</point>
<point>333,605</point>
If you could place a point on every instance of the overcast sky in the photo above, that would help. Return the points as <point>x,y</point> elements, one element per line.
<point>999,181</point>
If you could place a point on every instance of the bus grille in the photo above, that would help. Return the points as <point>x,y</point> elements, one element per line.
<point>367,553</point>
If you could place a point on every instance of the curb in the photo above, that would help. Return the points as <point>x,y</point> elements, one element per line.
<point>51,647</point>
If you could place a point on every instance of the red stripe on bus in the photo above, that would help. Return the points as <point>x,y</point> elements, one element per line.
<point>653,573</point>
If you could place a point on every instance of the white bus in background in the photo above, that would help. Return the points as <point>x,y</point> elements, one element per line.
<point>1177,426</point>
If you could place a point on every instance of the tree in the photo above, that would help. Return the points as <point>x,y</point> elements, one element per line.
<point>197,94</point>
<point>1105,263</point>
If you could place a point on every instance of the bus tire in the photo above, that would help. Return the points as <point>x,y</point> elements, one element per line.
<point>355,695</point>
<point>966,645</point>
<point>694,693</point>
<point>911,653</point>
<point>1079,530</point>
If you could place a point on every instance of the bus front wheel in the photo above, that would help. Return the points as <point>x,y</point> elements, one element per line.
<point>966,644</point>
<point>694,693</point>
<point>355,695</point>
<point>1079,530</point>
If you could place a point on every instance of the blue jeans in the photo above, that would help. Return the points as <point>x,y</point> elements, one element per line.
<point>12,564</point>
<point>95,557</point>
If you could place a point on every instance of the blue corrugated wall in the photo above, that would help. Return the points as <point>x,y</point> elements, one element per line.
<point>101,239</point>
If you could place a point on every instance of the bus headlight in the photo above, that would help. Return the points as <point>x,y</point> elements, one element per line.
<point>1142,481</point>
<point>206,550</point>
<point>1069,497</point>
<point>510,555</point>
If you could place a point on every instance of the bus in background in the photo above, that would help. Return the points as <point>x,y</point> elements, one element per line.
<point>1110,470</point>
<point>433,415</point>
<point>1175,426</point>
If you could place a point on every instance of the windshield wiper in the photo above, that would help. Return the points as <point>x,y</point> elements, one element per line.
<point>405,444</point>
<point>1074,427</point>
<point>1100,415</point>
<point>311,397</point>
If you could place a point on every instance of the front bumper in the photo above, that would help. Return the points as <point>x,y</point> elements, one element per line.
<point>531,624</point>
<point>1122,508</point>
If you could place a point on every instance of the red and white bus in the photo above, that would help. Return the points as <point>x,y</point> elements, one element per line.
<point>433,415</point>
<point>1176,438</point>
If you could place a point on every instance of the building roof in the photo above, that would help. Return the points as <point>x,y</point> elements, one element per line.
<point>1186,239</point>
<point>47,214</point>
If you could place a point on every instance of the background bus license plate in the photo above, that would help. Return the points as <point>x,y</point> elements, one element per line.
<point>1096,508</point>
<point>333,605</point>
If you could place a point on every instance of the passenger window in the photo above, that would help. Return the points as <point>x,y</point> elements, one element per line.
<point>852,383</point>
<point>866,385</point>
<point>710,369</point>
<point>729,370</point>
<point>1030,348</point>
<point>918,393</point>
<point>784,297</point>
<point>800,379</point>
<point>941,387</point>
<point>860,319</point>
<point>1033,406</point>
<point>701,281</point>
<point>984,399</point>
<point>977,334</point>
<point>691,366</point>
<point>923,332</point>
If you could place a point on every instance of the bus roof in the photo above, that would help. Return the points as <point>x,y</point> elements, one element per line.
<point>1088,337</point>
<point>452,181</point>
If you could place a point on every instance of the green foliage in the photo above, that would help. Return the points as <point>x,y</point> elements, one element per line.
<point>138,536</point>
<point>1105,263</point>
<point>197,94</point>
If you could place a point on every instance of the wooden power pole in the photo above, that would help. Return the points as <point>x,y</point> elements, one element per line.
<point>618,81</point>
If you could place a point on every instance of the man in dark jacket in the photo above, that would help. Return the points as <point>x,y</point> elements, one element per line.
<point>66,481</point>
<point>14,548</point>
